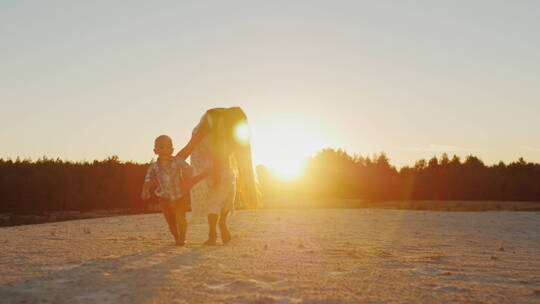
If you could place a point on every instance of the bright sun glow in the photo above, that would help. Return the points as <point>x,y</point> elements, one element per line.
<point>290,169</point>
<point>242,133</point>
<point>284,147</point>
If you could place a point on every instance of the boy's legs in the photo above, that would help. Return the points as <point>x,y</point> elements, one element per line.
<point>170,216</point>
<point>182,207</point>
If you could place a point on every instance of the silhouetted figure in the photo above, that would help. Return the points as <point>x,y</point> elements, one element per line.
<point>172,178</point>
<point>216,146</point>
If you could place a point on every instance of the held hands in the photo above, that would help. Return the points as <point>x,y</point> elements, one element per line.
<point>145,195</point>
<point>188,183</point>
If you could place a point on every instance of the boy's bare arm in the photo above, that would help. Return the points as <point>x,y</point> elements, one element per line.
<point>187,173</point>
<point>145,194</point>
<point>200,177</point>
<point>191,181</point>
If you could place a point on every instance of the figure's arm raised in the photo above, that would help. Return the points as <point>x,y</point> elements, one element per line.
<point>194,141</point>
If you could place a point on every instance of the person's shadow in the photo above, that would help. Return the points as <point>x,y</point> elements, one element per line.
<point>132,278</point>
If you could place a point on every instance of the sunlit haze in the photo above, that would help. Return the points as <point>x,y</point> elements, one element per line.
<point>83,80</point>
<point>286,144</point>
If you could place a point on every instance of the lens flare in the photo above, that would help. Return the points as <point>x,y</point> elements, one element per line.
<point>242,133</point>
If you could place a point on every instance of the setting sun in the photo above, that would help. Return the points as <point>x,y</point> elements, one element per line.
<point>242,133</point>
<point>285,146</point>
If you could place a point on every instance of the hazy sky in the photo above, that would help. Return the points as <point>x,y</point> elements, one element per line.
<point>89,79</point>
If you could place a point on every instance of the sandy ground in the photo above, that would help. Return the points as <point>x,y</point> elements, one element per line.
<point>279,256</point>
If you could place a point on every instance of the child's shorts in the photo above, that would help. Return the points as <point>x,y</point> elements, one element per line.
<point>179,205</point>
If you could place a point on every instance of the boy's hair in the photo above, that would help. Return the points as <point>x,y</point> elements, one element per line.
<point>163,138</point>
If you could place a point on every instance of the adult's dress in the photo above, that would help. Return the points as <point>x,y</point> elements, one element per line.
<point>214,147</point>
<point>206,196</point>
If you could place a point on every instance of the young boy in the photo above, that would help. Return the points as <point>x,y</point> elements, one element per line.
<point>172,178</point>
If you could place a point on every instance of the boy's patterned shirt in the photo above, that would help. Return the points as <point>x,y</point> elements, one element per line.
<point>167,178</point>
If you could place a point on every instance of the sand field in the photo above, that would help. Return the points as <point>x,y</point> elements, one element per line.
<point>279,256</point>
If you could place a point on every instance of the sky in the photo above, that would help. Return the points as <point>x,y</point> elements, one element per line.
<point>84,80</point>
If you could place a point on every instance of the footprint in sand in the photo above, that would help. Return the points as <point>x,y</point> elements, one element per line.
<point>181,268</point>
<point>451,289</point>
<point>336,273</point>
<point>101,296</point>
<point>250,284</point>
<point>61,267</point>
<point>58,281</point>
<point>267,280</point>
<point>428,271</point>
<point>266,300</point>
<point>217,286</point>
<point>154,261</point>
<point>277,300</point>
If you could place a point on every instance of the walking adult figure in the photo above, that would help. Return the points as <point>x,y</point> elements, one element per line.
<point>217,145</point>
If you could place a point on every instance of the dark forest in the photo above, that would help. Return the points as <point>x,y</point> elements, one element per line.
<point>28,187</point>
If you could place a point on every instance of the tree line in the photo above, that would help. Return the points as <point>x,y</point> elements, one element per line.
<point>336,174</point>
<point>56,185</point>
